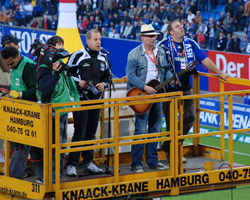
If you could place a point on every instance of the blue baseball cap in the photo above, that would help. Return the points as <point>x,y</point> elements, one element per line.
<point>10,38</point>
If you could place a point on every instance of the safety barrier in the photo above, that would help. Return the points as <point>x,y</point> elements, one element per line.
<point>31,123</point>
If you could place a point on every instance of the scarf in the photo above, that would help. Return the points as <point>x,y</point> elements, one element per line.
<point>188,52</point>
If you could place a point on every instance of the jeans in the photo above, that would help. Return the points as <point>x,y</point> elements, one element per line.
<point>188,116</point>
<point>152,120</point>
<point>19,162</point>
<point>85,124</point>
<point>37,153</point>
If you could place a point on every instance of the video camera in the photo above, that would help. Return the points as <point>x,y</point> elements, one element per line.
<point>48,54</point>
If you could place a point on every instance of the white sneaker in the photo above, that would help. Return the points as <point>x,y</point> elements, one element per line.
<point>91,167</point>
<point>184,160</point>
<point>71,170</point>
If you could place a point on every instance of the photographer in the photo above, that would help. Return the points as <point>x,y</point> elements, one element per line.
<point>55,87</point>
<point>93,74</point>
<point>22,86</point>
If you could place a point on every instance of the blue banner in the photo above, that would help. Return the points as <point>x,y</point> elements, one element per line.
<point>241,117</point>
<point>119,48</point>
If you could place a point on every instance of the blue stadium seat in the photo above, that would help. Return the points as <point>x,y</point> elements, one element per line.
<point>212,14</point>
<point>217,16</point>
<point>7,4</point>
<point>221,1</point>
<point>206,16</point>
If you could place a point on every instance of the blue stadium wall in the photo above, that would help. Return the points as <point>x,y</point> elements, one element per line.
<point>119,48</point>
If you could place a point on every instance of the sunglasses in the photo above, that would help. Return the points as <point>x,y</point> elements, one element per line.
<point>150,36</point>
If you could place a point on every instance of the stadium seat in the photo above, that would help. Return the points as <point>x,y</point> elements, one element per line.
<point>206,16</point>
<point>217,16</point>
<point>212,14</point>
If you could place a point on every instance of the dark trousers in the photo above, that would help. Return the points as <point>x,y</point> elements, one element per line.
<point>85,124</point>
<point>188,118</point>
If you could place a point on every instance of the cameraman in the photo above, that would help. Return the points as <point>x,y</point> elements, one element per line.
<point>92,76</point>
<point>23,86</point>
<point>56,87</point>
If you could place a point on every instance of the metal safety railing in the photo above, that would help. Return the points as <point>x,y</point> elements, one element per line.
<point>161,182</point>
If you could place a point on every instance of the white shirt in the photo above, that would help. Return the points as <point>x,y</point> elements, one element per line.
<point>152,69</point>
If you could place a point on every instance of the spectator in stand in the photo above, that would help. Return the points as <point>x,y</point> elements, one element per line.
<point>193,7</point>
<point>183,14</point>
<point>22,6</point>
<point>127,30</point>
<point>121,28</point>
<point>98,23</point>
<point>91,23</point>
<point>17,5</point>
<point>84,24</point>
<point>161,14</point>
<point>247,99</point>
<point>113,33</point>
<point>140,3</point>
<point>234,45</point>
<point>190,16</point>
<point>28,8</point>
<point>144,11</point>
<point>12,5</point>
<point>248,47</point>
<point>104,33</point>
<point>153,4</point>
<point>11,16</point>
<point>198,17</point>
<point>247,10</point>
<point>201,27</point>
<point>186,7</point>
<point>150,13</point>
<point>155,23</point>
<point>138,10</point>
<point>193,26</point>
<point>132,11</point>
<point>228,23</point>
<point>122,5</point>
<point>109,22</point>
<point>169,13</point>
<point>135,31</point>
<point>222,17</point>
<point>125,17</point>
<point>218,29</point>
<point>34,23</point>
<point>87,6</point>
<point>4,18</point>
<point>20,18</point>
<point>54,22</point>
<point>116,20</point>
<point>229,38</point>
<point>230,7</point>
<point>178,13</point>
<point>80,9</point>
<point>243,43</point>
<point>211,42</point>
<point>79,23</point>
<point>46,23</point>
<point>239,20</point>
<point>146,19</point>
<point>164,30</point>
<point>201,40</point>
<point>99,14</point>
<point>4,10</point>
<point>221,42</point>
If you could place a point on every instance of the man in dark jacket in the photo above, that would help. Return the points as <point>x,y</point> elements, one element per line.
<point>234,45</point>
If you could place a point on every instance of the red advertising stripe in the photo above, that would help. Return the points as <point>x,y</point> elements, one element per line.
<point>237,65</point>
